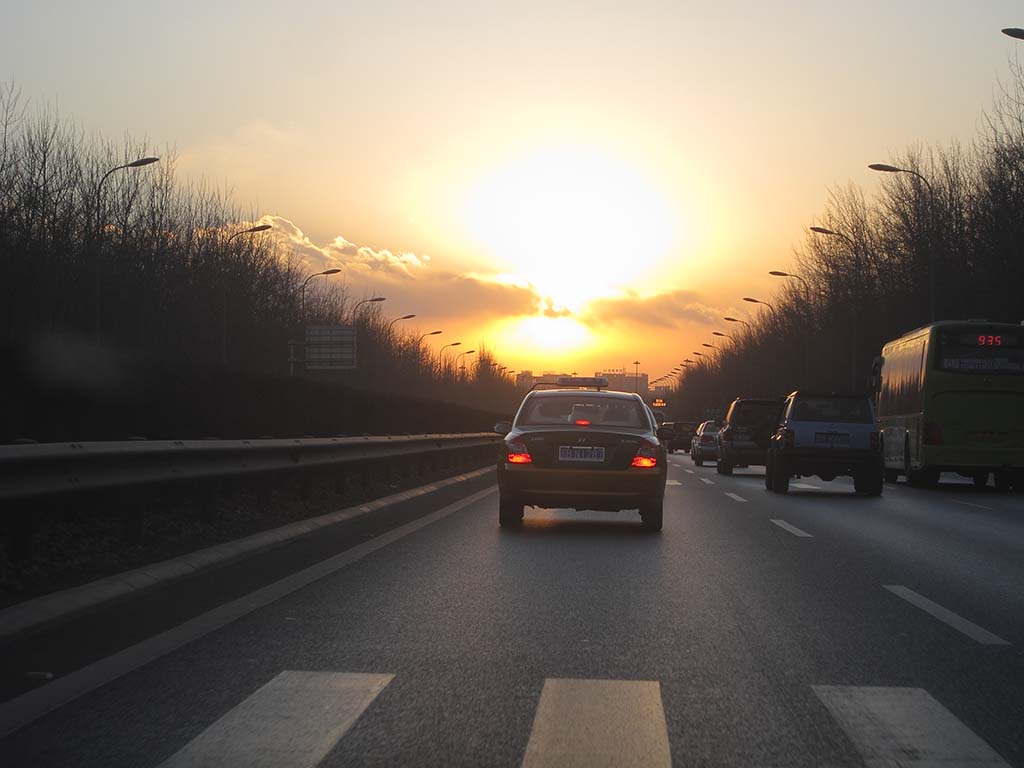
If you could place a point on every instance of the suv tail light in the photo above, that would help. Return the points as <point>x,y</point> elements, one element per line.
<point>517,453</point>
<point>646,456</point>
<point>876,440</point>
<point>932,433</point>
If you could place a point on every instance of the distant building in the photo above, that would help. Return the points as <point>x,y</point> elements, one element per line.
<point>623,380</point>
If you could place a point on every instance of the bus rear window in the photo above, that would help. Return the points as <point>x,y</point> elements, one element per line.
<point>980,351</point>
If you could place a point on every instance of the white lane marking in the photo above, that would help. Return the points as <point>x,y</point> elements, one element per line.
<point>793,529</point>
<point>293,722</point>
<point>806,486</point>
<point>706,481</point>
<point>946,616</point>
<point>24,709</point>
<point>598,723</point>
<point>969,504</point>
<point>735,496</point>
<point>689,471</point>
<point>904,727</point>
<point>673,482</point>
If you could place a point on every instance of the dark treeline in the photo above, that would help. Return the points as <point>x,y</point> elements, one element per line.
<point>954,226</point>
<point>105,272</point>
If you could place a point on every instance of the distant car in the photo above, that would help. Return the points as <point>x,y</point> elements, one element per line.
<point>666,433</point>
<point>703,444</point>
<point>827,435</point>
<point>582,449</point>
<point>743,439</point>
<point>683,435</point>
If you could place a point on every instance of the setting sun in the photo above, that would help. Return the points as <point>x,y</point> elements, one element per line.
<point>574,223</point>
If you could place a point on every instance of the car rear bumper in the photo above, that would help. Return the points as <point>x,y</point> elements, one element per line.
<point>743,454</point>
<point>837,461</point>
<point>581,488</point>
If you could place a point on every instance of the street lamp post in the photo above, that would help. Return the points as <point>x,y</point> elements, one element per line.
<point>371,300</point>
<point>397,319</point>
<point>853,297</point>
<point>224,296</point>
<point>456,361</point>
<point>752,300</point>
<point>142,161</point>
<point>807,317</point>
<point>431,333</point>
<point>302,291</point>
<point>932,269</point>
<point>636,376</point>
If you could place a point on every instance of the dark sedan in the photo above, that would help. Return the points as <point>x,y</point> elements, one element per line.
<point>580,449</point>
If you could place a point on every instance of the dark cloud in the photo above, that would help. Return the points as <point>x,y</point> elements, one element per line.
<point>662,310</point>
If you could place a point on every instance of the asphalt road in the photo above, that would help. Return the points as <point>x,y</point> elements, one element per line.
<point>816,629</point>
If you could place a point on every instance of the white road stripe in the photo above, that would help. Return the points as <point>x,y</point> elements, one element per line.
<point>291,722</point>
<point>688,471</point>
<point>735,496</point>
<point>969,504</point>
<point>673,482</point>
<point>946,616</point>
<point>706,481</point>
<point>590,723</point>
<point>29,706</point>
<point>793,529</point>
<point>904,727</point>
<point>806,486</point>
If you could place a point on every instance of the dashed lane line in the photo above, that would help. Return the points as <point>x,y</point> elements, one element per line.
<point>793,529</point>
<point>905,727</point>
<point>706,481</point>
<point>293,722</point>
<point>976,506</point>
<point>672,482</point>
<point>598,722</point>
<point>735,496</point>
<point>946,616</point>
<point>689,471</point>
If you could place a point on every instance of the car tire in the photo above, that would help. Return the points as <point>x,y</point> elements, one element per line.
<point>510,513</point>
<point>780,477</point>
<point>698,459</point>
<point>652,514</point>
<point>868,482</point>
<point>724,467</point>
<point>768,469</point>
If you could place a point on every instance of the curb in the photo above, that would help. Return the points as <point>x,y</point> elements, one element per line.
<point>60,606</point>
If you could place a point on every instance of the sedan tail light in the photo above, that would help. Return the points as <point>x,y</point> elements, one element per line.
<point>646,456</point>
<point>517,453</point>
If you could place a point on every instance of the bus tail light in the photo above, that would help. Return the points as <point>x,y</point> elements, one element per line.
<point>932,433</point>
<point>517,453</point>
<point>646,456</point>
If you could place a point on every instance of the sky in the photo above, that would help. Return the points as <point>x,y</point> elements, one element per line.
<point>577,185</point>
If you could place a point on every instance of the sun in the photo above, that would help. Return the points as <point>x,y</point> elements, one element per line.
<point>575,223</point>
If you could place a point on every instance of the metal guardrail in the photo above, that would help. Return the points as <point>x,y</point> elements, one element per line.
<point>34,472</point>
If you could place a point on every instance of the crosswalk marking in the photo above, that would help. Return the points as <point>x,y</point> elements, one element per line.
<point>292,722</point>
<point>793,529</point>
<point>673,482</point>
<point>904,727</point>
<point>706,481</point>
<point>946,616</point>
<point>593,723</point>
<point>734,496</point>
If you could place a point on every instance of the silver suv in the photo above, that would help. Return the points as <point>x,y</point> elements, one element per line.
<point>826,435</point>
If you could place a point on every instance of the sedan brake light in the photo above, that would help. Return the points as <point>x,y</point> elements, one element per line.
<point>646,456</point>
<point>517,453</point>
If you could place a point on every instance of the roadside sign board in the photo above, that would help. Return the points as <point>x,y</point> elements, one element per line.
<point>330,347</point>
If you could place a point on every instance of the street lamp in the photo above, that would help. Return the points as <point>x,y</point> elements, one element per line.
<point>224,296</point>
<point>752,300</point>
<point>99,227</point>
<point>1014,32</point>
<point>455,363</point>
<point>636,386</point>
<point>736,320</point>
<point>302,291</point>
<point>723,335</point>
<point>397,319</point>
<point>372,299</point>
<point>710,346</point>
<point>432,333</point>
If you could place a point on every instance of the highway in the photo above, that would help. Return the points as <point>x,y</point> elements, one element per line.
<point>815,629</point>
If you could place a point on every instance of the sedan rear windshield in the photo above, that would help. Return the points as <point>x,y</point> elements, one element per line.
<point>556,410</point>
<point>844,410</point>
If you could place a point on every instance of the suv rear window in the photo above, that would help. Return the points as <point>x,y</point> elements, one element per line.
<point>843,410</point>
<point>552,410</point>
<point>750,413</point>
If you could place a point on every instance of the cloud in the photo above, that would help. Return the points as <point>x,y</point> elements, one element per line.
<point>662,310</point>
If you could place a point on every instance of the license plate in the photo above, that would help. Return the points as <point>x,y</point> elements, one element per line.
<point>831,438</point>
<point>580,453</point>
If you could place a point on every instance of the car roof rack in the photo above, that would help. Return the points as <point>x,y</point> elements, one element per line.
<point>575,382</point>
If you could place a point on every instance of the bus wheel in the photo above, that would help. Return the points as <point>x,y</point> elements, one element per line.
<point>980,479</point>
<point>1003,481</point>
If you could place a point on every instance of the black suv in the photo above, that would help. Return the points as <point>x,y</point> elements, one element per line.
<point>743,441</point>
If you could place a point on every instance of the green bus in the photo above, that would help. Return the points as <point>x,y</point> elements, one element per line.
<point>951,399</point>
